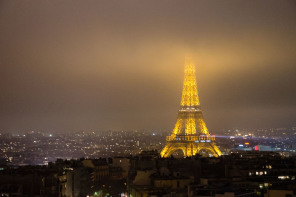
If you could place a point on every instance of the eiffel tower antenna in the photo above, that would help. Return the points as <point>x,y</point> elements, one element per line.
<point>190,133</point>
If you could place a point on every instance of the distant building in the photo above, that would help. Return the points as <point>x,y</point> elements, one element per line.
<point>263,148</point>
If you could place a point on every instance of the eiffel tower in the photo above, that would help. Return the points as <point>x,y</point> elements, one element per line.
<point>190,133</point>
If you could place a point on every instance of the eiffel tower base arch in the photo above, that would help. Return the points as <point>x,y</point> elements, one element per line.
<point>190,148</point>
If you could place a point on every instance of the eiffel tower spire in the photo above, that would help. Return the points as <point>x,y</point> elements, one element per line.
<point>190,133</point>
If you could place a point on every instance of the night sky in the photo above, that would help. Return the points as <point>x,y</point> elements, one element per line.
<point>118,65</point>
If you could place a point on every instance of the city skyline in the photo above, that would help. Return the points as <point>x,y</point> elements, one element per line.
<point>119,65</point>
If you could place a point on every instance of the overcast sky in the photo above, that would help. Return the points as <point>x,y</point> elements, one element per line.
<point>118,65</point>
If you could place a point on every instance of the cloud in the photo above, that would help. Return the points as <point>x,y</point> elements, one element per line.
<point>119,65</point>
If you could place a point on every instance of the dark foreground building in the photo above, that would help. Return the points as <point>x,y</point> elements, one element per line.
<point>245,174</point>
<point>240,174</point>
<point>84,177</point>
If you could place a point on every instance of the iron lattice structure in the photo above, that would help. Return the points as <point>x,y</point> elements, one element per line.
<point>190,133</point>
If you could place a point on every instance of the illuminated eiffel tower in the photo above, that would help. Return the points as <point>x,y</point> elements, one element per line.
<point>190,133</point>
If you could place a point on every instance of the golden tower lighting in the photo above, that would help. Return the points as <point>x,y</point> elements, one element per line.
<point>190,133</point>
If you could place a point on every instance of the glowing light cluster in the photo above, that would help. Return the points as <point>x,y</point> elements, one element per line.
<point>190,125</point>
<point>178,126</point>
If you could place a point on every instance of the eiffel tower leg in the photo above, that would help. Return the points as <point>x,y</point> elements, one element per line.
<point>193,149</point>
<point>188,150</point>
<point>216,150</point>
<point>166,150</point>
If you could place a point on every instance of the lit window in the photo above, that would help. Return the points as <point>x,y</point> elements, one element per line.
<point>266,184</point>
<point>283,177</point>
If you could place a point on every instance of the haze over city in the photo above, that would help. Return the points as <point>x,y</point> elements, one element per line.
<point>109,65</point>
